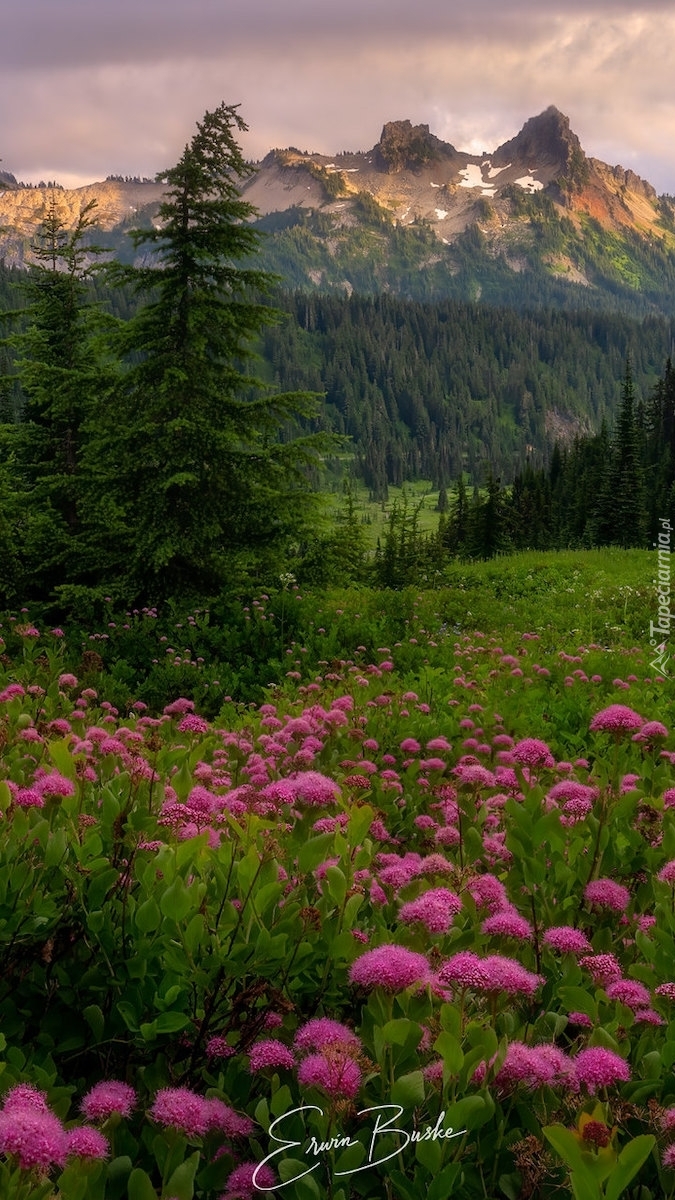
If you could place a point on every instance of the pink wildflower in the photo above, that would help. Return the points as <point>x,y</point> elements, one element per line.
<point>34,1138</point>
<point>336,1074</point>
<point>533,753</point>
<point>567,940</point>
<point>182,1109</point>
<point>86,1142</point>
<point>410,746</point>
<point>323,1031</point>
<point>603,968</point>
<point>218,1047</point>
<point>270,1053</point>
<point>28,798</point>
<point>24,1095</point>
<point>191,723</point>
<point>465,970</point>
<point>607,894</point>
<point>579,1018</point>
<point>667,1120</point>
<point>507,975</point>
<point>629,992</point>
<point>667,873</point>
<point>310,787</point>
<point>391,967</point>
<point>533,1066</point>
<point>434,908</point>
<point>651,731</point>
<point>667,990</point>
<point>597,1067</point>
<point>668,1157</point>
<point>247,1180</point>
<point>225,1120</point>
<point>54,784</point>
<point>488,892</point>
<point>471,775</point>
<point>648,1016</point>
<point>616,719</point>
<point>571,789</point>
<point>108,1097</point>
<point>179,707</point>
<point>507,923</point>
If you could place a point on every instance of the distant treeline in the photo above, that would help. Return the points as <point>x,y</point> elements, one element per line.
<point>610,489</point>
<point>435,391</point>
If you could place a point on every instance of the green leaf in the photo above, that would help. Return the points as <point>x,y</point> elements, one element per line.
<point>147,918</point>
<point>315,851</point>
<point>430,1154</point>
<point>57,847</point>
<point>181,1184</point>
<point>5,796</point>
<point>443,1185</point>
<point>100,886</point>
<point>59,752</point>
<point>247,868</point>
<point>576,999</point>
<point>566,1144</point>
<point>631,1158</point>
<point>400,1031</point>
<point>140,1186</point>
<point>360,820</point>
<point>129,1015</point>
<point>451,1052</point>
<point>408,1090</point>
<point>175,902</point>
<point>194,932</point>
<point>95,1020</point>
<point>171,1022</point>
<point>337,884</point>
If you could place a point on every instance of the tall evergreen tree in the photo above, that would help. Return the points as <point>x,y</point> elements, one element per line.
<point>64,380</point>
<point>192,452</point>
<point>627,473</point>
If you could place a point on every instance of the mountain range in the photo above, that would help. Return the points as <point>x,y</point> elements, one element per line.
<point>535,222</point>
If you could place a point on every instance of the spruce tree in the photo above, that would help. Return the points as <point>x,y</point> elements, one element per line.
<point>193,450</point>
<point>626,472</point>
<point>64,380</point>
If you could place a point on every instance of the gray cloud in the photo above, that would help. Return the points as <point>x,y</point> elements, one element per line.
<point>95,87</point>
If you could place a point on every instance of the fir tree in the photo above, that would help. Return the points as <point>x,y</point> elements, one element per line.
<point>193,453</point>
<point>64,380</point>
<point>627,474</point>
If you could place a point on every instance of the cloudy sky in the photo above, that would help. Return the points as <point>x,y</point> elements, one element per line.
<point>92,87</point>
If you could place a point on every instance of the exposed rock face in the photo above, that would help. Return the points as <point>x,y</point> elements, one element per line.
<point>409,176</point>
<point>545,140</point>
<point>406,147</point>
<point>629,180</point>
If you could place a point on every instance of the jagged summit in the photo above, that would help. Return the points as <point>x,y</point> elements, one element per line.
<point>545,139</point>
<point>537,204</point>
<point>404,146</point>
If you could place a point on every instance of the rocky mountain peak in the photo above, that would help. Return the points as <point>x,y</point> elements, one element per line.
<point>407,147</point>
<point>545,139</point>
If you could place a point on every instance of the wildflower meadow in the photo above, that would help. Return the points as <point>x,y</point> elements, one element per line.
<point>400,926</point>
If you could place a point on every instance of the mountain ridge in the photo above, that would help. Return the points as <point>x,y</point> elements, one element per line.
<point>535,206</point>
